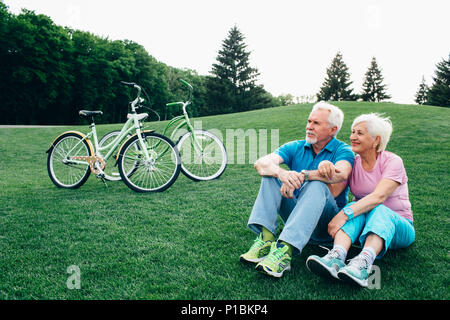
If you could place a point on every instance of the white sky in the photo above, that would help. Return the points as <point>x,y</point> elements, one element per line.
<point>292,41</point>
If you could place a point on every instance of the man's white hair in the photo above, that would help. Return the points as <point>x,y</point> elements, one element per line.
<point>376,125</point>
<point>336,117</point>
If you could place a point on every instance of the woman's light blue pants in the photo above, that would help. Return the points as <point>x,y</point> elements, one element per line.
<point>305,217</point>
<point>396,231</point>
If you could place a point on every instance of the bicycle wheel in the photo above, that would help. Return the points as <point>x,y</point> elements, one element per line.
<point>111,170</point>
<point>206,164</point>
<point>158,172</point>
<point>63,171</point>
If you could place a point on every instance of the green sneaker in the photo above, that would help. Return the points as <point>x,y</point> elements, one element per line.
<point>258,251</point>
<point>277,261</point>
<point>356,272</point>
<point>326,266</point>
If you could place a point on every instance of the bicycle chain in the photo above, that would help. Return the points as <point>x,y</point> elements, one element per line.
<point>91,160</point>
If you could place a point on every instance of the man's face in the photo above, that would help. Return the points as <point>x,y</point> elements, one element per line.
<point>317,128</point>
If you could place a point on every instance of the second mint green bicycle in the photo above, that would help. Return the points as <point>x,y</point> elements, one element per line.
<point>203,155</point>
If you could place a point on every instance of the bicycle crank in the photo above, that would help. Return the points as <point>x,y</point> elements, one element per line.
<point>92,160</point>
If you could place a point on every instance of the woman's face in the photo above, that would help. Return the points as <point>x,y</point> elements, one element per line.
<point>361,139</point>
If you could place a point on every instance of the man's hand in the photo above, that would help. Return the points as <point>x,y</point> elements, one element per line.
<point>327,169</point>
<point>336,223</point>
<point>269,165</point>
<point>292,179</point>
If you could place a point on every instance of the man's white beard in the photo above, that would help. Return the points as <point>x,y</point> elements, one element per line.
<point>310,140</point>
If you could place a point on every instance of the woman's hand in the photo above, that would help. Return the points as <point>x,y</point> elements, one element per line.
<point>327,169</point>
<point>336,223</point>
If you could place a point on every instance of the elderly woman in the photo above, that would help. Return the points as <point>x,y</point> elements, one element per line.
<point>380,217</point>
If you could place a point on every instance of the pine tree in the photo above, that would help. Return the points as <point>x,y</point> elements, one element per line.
<point>232,87</point>
<point>336,85</point>
<point>373,88</point>
<point>439,93</point>
<point>421,94</point>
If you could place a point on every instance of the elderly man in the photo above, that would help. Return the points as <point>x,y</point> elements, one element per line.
<point>305,198</point>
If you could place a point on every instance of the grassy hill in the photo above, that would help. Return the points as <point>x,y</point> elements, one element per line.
<point>185,243</point>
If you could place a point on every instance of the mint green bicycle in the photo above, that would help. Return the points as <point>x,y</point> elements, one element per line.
<point>203,155</point>
<point>147,161</point>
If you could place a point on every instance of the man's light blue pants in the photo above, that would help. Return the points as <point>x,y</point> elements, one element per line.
<point>305,217</point>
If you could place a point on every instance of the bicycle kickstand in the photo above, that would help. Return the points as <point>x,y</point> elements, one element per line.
<point>104,181</point>
<point>100,174</point>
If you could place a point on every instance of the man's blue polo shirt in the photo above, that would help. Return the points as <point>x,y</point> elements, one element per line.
<point>299,155</point>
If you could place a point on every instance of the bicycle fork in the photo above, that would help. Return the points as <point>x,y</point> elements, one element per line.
<point>148,159</point>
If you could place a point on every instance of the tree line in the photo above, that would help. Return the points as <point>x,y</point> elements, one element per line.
<point>439,92</point>
<point>336,85</point>
<point>48,73</point>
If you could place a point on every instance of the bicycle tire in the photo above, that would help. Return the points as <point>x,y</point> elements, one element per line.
<point>63,173</point>
<point>153,175</point>
<point>208,166</point>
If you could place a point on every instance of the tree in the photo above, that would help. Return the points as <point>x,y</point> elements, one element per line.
<point>337,82</point>
<point>421,94</point>
<point>8,61</point>
<point>39,69</point>
<point>286,99</point>
<point>439,93</point>
<point>49,72</point>
<point>373,88</point>
<point>232,86</point>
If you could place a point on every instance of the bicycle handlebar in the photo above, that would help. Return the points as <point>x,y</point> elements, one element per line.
<point>186,84</point>
<point>138,98</point>
<point>173,104</point>
<point>184,104</point>
<point>129,84</point>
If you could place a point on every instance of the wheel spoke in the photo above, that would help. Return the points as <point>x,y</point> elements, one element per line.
<point>154,173</point>
<point>205,164</point>
<point>68,174</point>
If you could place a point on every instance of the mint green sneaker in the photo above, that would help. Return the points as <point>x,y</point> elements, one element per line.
<point>356,272</point>
<point>326,266</point>
<point>257,252</point>
<point>277,261</point>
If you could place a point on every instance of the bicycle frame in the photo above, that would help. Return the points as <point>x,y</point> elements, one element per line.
<point>132,124</point>
<point>183,120</point>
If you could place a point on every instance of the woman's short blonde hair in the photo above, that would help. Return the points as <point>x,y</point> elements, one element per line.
<point>376,125</point>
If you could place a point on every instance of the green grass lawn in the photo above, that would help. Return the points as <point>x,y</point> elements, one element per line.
<point>185,243</point>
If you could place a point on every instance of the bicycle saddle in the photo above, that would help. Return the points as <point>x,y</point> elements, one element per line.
<point>87,113</point>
